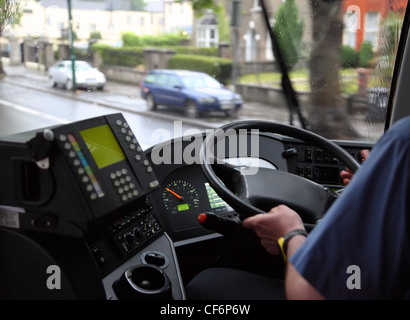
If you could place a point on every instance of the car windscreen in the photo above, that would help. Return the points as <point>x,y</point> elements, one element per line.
<point>197,81</point>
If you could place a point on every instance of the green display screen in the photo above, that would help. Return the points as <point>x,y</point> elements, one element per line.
<point>214,200</point>
<point>183,207</point>
<point>103,145</point>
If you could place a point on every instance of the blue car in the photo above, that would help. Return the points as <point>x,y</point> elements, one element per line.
<point>194,91</point>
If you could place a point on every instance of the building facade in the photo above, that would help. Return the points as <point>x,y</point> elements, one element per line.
<point>48,19</point>
<point>363,19</point>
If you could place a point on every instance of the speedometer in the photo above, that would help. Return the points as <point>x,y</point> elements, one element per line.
<point>180,196</point>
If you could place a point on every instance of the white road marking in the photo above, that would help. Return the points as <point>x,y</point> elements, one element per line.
<point>33,112</point>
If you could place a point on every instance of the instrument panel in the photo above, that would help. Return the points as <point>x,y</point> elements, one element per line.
<point>186,194</point>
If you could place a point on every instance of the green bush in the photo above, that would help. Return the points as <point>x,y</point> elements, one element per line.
<point>130,39</point>
<point>82,54</point>
<point>366,55</point>
<point>95,35</point>
<point>219,68</point>
<point>126,57</point>
<point>211,51</point>
<point>349,57</point>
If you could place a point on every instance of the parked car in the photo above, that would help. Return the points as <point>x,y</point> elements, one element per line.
<point>86,76</point>
<point>194,91</point>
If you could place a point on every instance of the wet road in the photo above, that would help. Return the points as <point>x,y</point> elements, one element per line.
<point>24,109</point>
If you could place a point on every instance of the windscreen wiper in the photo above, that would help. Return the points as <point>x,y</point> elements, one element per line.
<point>290,94</point>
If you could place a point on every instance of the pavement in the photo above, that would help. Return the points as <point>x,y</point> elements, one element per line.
<point>126,97</point>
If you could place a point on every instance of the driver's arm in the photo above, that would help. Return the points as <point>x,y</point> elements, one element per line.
<point>296,286</point>
<point>269,228</point>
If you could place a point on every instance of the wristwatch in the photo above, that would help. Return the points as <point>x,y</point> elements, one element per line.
<point>283,241</point>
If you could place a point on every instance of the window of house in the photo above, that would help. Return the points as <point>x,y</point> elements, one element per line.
<point>350,30</point>
<point>372,27</point>
<point>256,4</point>
<point>207,36</point>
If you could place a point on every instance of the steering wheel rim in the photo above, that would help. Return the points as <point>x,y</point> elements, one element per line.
<point>207,157</point>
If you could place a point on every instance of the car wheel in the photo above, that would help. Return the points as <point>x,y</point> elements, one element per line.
<point>231,113</point>
<point>100,88</point>
<point>150,102</point>
<point>190,109</point>
<point>69,84</point>
<point>52,82</point>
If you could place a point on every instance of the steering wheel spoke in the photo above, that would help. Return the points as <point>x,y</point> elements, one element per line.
<point>269,188</point>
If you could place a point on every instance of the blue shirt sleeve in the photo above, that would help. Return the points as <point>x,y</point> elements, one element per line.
<point>361,248</point>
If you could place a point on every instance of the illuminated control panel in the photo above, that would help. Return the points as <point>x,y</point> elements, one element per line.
<point>107,162</point>
<point>318,165</point>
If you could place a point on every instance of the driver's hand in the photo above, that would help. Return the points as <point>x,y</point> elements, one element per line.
<point>347,174</point>
<point>269,227</point>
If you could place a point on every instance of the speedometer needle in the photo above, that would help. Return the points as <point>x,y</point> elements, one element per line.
<point>174,193</point>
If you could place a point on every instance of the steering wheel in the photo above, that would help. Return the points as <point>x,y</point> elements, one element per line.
<point>250,194</point>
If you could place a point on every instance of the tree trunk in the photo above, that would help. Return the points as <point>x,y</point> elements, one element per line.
<point>327,112</point>
<point>2,72</point>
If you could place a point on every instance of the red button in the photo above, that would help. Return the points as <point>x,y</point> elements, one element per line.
<point>202,217</point>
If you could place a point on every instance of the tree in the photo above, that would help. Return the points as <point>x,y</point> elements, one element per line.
<point>288,30</point>
<point>10,12</point>
<point>327,114</point>
<point>137,5</point>
<point>200,5</point>
<point>223,23</point>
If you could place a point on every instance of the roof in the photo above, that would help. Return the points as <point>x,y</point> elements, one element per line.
<point>151,6</point>
<point>154,6</point>
<point>75,4</point>
<point>208,19</point>
<point>176,71</point>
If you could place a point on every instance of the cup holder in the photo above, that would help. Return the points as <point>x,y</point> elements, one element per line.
<point>143,282</point>
<point>155,258</point>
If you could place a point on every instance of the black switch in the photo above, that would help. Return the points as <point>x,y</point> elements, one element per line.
<point>291,152</point>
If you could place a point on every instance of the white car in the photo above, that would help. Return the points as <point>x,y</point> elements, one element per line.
<point>86,76</point>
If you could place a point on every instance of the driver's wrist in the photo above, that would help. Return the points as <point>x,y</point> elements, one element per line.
<point>284,241</point>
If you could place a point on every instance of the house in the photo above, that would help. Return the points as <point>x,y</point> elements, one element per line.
<point>363,17</point>
<point>48,19</point>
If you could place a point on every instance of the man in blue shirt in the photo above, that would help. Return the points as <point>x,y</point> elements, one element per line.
<point>359,250</point>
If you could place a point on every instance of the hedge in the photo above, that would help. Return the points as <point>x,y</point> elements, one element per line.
<point>126,57</point>
<point>134,56</point>
<point>219,68</point>
<point>366,55</point>
<point>349,57</point>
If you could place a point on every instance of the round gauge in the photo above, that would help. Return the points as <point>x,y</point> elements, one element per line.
<point>180,196</point>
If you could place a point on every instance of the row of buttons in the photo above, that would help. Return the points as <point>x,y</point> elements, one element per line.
<point>81,166</point>
<point>134,146</point>
<point>128,219</point>
<point>144,229</point>
<point>128,136</point>
<point>329,175</point>
<point>318,156</point>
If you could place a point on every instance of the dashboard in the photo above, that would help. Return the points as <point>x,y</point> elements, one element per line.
<point>120,221</point>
